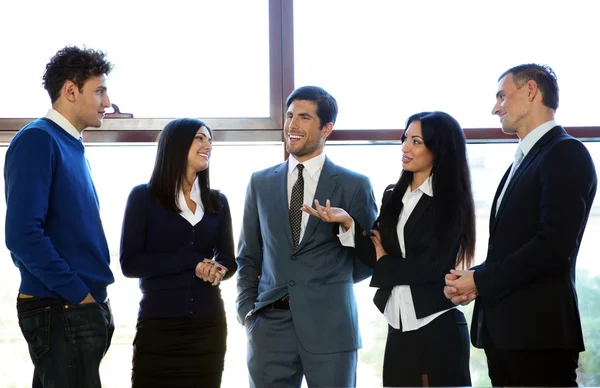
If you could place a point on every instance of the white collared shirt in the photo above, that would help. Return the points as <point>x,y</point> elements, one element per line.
<point>400,306</point>
<point>311,174</point>
<point>534,136</point>
<point>62,122</point>
<point>525,145</point>
<point>193,218</point>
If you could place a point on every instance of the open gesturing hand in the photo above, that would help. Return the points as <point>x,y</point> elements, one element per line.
<point>329,214</point>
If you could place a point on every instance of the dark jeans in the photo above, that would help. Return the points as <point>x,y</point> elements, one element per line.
<point>66,342</point>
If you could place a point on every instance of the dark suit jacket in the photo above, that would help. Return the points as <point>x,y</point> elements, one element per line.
<point>318,275</point>
<point>527,297</point>
<point>420,269</point>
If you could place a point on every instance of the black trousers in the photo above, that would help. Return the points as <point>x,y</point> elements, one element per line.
<point>179,352</point>
<point>434,355</point>
<point>539,367</point>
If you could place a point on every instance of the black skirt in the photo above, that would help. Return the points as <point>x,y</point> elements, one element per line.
<point>436,355</point>
<point>179,352</point>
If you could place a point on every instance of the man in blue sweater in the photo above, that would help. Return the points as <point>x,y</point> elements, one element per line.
<point>53,227</point>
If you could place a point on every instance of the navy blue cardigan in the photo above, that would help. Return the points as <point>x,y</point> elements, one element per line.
<point>162,249</point>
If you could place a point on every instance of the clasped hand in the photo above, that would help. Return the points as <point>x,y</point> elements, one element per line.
<point>210,271</point>
<point>460,287</point>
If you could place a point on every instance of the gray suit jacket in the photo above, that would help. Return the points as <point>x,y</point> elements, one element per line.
<point>319,275</point>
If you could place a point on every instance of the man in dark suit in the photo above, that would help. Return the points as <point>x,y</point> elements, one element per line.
<point>295,277</point>
<point>526,316</point>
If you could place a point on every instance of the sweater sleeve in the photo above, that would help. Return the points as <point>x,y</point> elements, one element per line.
<point>28,175</point>
<point>224,250</point>
<point>135,261</point>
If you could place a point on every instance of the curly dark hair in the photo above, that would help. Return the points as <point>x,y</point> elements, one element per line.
<point>73,64</point>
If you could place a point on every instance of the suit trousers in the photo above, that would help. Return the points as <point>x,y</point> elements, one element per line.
<point>277,359</point>
<point>436,354</point>
<point>538,367</point>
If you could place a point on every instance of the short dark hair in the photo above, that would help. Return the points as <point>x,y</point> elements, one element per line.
<point>73,64</point>
<point>453,205</point>
<point>544,77</point>
<point>174,143</point>
<point>327,108</point>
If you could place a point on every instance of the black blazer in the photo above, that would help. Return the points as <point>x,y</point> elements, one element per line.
<point>527,297</point>
<point>418,270</point>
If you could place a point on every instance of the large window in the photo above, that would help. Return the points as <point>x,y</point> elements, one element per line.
<point>176,58</point>
<point>385,59</point>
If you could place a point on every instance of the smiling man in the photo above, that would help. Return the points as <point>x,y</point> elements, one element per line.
<point>295,278</point>
<point>53,227</point>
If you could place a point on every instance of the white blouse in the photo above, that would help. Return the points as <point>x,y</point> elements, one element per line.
<point>193,218</point>
<point>400,306</point>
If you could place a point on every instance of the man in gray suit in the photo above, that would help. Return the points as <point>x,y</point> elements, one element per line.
<point>295,277</point>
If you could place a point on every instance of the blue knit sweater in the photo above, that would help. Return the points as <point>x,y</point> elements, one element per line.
<point>162,249</point>
<point>53,227</point>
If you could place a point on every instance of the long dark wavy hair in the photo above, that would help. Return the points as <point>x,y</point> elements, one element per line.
<point>174,143</point>
<point>453,207</point>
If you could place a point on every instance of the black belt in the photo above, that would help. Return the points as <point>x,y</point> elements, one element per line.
<point>281,304</point>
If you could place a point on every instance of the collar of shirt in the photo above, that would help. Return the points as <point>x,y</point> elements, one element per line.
<point>194,196</point>
<point>425,188</point>
<point>312,166</point>
<point>62,122</point>
<point>534,136</point>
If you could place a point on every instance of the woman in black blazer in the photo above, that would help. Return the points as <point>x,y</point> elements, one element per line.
<point>425,228</point>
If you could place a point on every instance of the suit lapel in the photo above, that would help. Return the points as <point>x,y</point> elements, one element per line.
<point>415,216</point>
<point>325,188</point>
<point>498,191</point>
<point>531,155</point>
<point>280,200</point>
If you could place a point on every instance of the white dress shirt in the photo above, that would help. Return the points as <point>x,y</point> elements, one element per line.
<point>534,136</point>
<point>62,122</point>
<point>186,212</point>
<point>400,306</point>
<point>311,174</point>
<point>525,145</point>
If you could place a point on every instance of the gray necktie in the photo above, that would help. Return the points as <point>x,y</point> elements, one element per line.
<point>518,158</point>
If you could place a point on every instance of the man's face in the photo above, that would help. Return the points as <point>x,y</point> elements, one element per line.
<point>512,104</point>
<point>304,137</point>
<point>90,103</point>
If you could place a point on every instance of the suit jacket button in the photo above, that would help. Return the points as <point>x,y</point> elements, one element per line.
<point>490,247</point>
<point>294,257</point>
<point>292,283</point>
<point>364,233</point>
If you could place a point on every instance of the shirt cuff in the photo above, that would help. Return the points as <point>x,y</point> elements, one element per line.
<point>347,237</point>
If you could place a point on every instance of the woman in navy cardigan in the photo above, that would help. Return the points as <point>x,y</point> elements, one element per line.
<point>177,239</point>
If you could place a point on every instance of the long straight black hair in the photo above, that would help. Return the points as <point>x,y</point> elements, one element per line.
<point>453,206</point>
<point>170,166</point>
